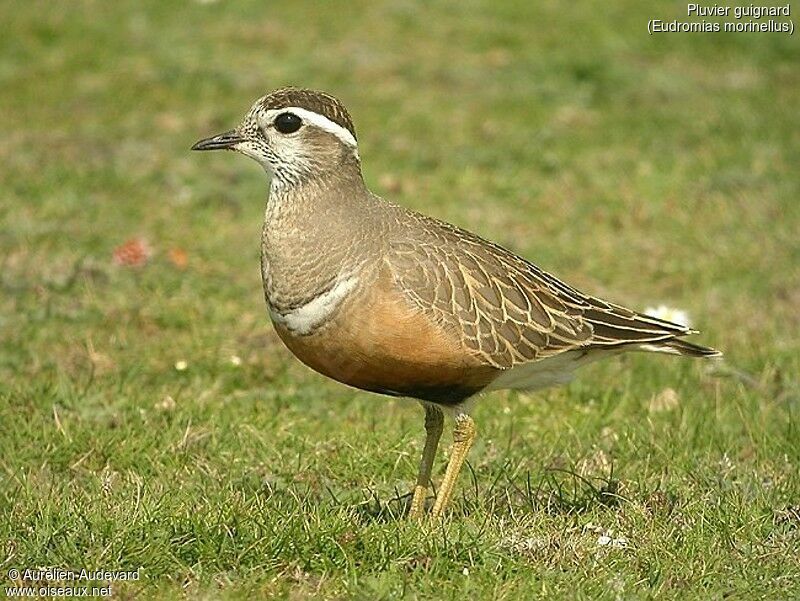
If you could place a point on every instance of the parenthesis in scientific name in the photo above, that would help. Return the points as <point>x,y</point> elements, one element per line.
<point>650,26</point>
<point>791,31</point>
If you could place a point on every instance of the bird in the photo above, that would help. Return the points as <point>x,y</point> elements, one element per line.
<point>388,300</point>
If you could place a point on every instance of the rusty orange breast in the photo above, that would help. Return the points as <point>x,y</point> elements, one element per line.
<point>377,341</point>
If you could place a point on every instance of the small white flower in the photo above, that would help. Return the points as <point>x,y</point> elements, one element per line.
<point>181,365</point>
<point>167,404</point>
<point>603,540</point>
<point>465,571</point>
<point>236,360</point>
<point>725,464</point>
<point>666,313</point>
<point>666,400</point>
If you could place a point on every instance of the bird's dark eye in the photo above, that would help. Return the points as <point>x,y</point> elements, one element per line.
<point>287,123</point>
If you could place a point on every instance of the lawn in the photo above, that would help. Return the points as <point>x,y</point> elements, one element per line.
<point>150,418</point>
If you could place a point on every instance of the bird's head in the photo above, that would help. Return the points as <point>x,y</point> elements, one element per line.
<point>295,134</point>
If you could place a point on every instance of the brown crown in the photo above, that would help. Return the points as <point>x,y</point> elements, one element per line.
<point>312,100</point>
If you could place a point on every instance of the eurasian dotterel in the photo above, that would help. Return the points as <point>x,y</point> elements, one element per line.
<point>388,300</point>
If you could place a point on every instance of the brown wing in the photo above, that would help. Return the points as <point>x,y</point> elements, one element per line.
<point>505,309</point>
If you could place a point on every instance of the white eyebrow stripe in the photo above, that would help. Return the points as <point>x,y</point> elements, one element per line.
<point>320,121</point>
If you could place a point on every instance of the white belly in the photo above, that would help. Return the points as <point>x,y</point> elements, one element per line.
<point>552,371</point>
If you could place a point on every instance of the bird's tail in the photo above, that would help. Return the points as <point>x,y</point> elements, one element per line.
<point>617,326</point>
<point>676,346</point>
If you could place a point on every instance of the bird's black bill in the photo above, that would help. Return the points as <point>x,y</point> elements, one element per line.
<point>222,141</point>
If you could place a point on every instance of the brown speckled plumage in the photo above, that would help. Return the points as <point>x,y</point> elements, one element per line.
<point>503,307</point>
<point>389,300</point>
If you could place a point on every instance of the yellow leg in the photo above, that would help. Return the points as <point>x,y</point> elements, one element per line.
<point>434,422</point>
<point>464,434</point>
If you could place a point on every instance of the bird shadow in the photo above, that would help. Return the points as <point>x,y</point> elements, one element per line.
<point>552,491</point>
<point>374,510</point>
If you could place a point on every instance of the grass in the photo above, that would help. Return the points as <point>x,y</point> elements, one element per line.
<point>644,169</point>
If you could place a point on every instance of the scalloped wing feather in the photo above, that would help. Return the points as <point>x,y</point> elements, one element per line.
<point>504,309</point>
